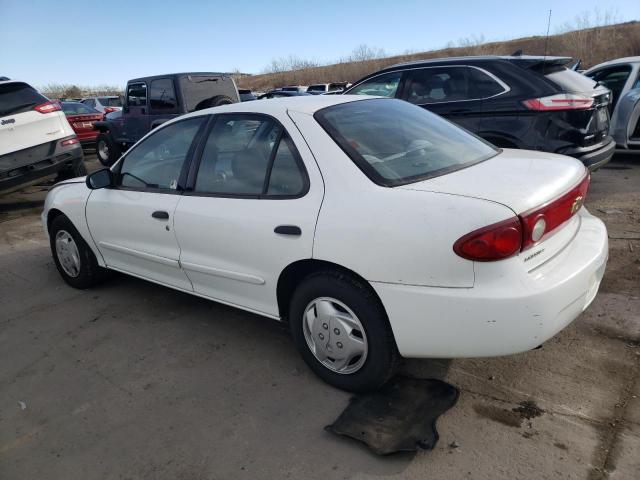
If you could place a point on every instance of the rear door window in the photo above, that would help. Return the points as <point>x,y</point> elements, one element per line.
<point>249,156</point>
<point>18,97</point>
<point>385,85</point>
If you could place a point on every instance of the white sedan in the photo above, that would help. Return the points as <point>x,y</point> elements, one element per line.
<point>374,228</point>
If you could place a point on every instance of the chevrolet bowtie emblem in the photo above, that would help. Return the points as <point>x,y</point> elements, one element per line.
<point>577,203</point>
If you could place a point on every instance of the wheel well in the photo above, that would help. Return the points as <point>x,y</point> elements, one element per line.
<point>51,216</point>
<point>295,272</point>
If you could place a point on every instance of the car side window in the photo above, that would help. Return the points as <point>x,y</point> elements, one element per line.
<point>385,85</point>
<point>614,79</point>
<point>162,95</point>
<point>482,84</point>
<point>156,162</point>
<point>137,94</point>
<point>439,84</point>
<point>249,155</point>
<point>286,178</point>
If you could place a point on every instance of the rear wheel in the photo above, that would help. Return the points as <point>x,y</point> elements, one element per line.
<point>342,331</point>
<point>107,150</point>
<point>74,259</point>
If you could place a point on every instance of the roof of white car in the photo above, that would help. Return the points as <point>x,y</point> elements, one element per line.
<point>617,61</point>
<point>303,104</point>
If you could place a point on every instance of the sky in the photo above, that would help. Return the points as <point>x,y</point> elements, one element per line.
<point>90,43</point>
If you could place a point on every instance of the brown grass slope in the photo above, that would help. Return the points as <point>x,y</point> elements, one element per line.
<point>591,45</point>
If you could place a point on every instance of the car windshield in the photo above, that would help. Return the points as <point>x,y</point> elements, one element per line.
<point>316,88</point>
<point>395,143</point>
<point>74,108</point>
<point>110,101</point>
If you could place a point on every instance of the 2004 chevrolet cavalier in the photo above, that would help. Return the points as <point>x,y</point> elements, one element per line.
<point>373,227</point>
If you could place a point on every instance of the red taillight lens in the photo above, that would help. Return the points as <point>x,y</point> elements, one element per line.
<point>561,101</point>
<point>48,107</point>
<point>109,109</point>
<point>68,141</point>
<point>541,221</point>
<point>495,242</point>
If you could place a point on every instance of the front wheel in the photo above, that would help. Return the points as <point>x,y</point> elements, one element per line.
<point>74,259</point>
<point>342,331</point>
<point>107,150</point>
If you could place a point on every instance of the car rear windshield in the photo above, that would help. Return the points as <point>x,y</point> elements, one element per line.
<point>569,80</point>
<point>395,143</point>
<point>316,88</point>
<point>18,97</point>
<point>75,108</point>
<point>110,101</point>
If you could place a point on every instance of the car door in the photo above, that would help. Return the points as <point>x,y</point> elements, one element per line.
<point>135,113</point>
<point>250,211</point>
<point>447,91</point>
<point>615,78</point>
<point>163,104</point>
<point>133,222</point>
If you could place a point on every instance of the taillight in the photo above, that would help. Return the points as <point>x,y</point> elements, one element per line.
<point>69,141</point>
<point>48,107</point>
<point>495,242</point>
<point>109,109</point>
<point>561,101</point>
<point>506,238</point>
<point>541,221</point>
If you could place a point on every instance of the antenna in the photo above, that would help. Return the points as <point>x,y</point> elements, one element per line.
<point>546,39</point>
<point>546,42</point>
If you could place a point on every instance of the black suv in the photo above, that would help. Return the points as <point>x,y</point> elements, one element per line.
<point>527,102</point>
<point>150,101</point>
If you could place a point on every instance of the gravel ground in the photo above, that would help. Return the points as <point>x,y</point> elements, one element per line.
<point>134,381</point>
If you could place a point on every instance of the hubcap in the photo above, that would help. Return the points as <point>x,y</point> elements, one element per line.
<point>67,252</point>
<point>103,150</point>
<point>334,335</point>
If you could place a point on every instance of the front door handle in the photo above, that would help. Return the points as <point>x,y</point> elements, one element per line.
<point>288,230</point>
<point>160,215</point>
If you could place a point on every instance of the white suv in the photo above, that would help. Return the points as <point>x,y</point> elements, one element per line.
<point>36,139</point>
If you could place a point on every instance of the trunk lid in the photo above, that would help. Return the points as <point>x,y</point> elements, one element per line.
<point>522,181</point>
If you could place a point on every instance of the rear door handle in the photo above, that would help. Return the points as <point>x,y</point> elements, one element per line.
<point>288,230</point>
<point>160,215</point>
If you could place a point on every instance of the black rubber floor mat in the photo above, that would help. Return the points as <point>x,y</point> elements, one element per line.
<point>400,417</point>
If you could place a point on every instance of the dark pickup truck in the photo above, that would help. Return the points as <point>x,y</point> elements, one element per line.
<point>150,101</point>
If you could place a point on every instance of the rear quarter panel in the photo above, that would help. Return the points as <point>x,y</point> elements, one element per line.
<point>390,234</point>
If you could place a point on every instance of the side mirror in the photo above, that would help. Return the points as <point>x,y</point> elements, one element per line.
<point>100,179</point>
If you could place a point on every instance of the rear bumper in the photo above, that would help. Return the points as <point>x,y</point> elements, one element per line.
<point>18,177</point>
<point>594,159</point>
<point>514,313</point>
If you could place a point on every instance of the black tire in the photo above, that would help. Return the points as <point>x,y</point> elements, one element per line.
<point>89,272</point>
<point>214,102</point>
<point>76,169</point>
<point>107,150</point>
<point>382,357</point>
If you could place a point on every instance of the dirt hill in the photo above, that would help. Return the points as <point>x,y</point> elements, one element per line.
<point>591,45</point>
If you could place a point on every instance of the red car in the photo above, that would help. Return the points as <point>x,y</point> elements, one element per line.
<point>81,118</point>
